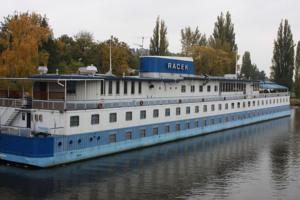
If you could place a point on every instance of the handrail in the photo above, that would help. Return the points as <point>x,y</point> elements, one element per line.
<point>14,130</point>
<point>104,103</point>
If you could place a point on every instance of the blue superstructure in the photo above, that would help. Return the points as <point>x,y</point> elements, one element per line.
<point>159,64</point>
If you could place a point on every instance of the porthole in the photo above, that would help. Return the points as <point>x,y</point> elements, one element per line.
<point>98,138</point>
<point>91,139</point>
<point>59,144</point>
<point>71,142</point>
<point>79,141</point>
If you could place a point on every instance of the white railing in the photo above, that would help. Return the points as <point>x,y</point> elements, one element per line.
<point>9,102</point>
<point>18,131</point>
<point>101,104</point>
<point>48,104</point>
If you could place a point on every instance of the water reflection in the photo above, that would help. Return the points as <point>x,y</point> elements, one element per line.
<point>213,166</point>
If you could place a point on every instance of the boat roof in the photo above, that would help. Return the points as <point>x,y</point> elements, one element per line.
<point>271,85</point>
<point>80,77</point>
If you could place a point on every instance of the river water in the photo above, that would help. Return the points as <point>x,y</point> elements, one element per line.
<point>260,161</point>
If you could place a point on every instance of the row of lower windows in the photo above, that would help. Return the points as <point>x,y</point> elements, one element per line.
<point>143,132</point>
<point>95,118</point>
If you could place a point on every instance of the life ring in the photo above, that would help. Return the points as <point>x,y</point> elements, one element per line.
<point>100,106</point>
<point>141,103</point>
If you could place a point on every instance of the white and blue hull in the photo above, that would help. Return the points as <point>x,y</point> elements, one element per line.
<point>56,150</point>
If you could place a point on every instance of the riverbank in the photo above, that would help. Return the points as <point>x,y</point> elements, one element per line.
<point>295,102</point>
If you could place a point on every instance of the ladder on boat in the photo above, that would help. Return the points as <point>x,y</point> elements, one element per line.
<point>12,117</point>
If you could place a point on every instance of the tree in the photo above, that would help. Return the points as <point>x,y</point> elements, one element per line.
<point>191,38</point>
<point>283,55</point>
<point>247,66</point>
<point>297,67</point>
<point>159,43</point>
<point>208,60</point>
<point>249,70</point>
<point>223,35</point>
<point>21,37</point>
<point>120,56</point>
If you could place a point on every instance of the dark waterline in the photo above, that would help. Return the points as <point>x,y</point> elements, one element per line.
<point>260,161</point>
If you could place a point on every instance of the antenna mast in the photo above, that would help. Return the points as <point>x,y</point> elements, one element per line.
<point>110,67</point>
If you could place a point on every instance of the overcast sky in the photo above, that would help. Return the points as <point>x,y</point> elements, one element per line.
<point>256,21</point>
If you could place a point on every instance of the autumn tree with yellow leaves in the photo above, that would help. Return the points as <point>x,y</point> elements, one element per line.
<point>21,36</point>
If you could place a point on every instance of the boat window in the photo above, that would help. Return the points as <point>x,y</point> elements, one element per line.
<point>232,105</point>
<point>177,127</point>
<point>192,88</point>
<point>208,88</point>
<point>178,111</point>
<point>155,113</point>
<point>128,116</point>
<point>71,87</point>
<point>226,106</point>
<point>23,116</point>
<point>204,108</point>
<point>95,119</point>
<point>40,118</point>
<point>167,112</point>
<point>196,123</point>
<point>117,87</point>
<point>112,138</point>
<point>167,128</point>
<point>110,87</point>
<point>132,87</point>
<point>112,117</point>
<point>220,106</point>
<point>216,88</point>
<point>140,87</point>
<point>238,105</point>
<point>143,114</point>
<point>187,110</point>
<point>128,135</point>
<point>125,87</point>
<point>200,88</point>
<point>212,107</point>
<point>197,109</point>
<point>102,86</point>
<point>143,133</point>
<point>155,131</point>
<point>187,125</point>
<point>183,88</point>
<point>74,121</point>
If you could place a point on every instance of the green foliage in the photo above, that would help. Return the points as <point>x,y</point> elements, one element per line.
<point>249,70</point>
<point>283,56</point>
<point>208,60</point>
<point>190,38</point>
<point>120,56</point>
<point>223,35</point>
<point>297,67</point>
<point>159,43</point>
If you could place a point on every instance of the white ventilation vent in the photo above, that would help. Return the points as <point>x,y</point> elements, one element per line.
<point>43,69</point>
<point>91,70</point>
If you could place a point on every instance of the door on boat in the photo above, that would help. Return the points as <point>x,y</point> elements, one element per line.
<point>28,120</point>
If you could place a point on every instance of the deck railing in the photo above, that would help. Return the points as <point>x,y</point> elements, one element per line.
<point>48,104</point>
<point>17,131</point>
<point>10,102</point>
<point>102,104</point>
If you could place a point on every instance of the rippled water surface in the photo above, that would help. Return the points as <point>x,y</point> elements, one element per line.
<point>259,161</point>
